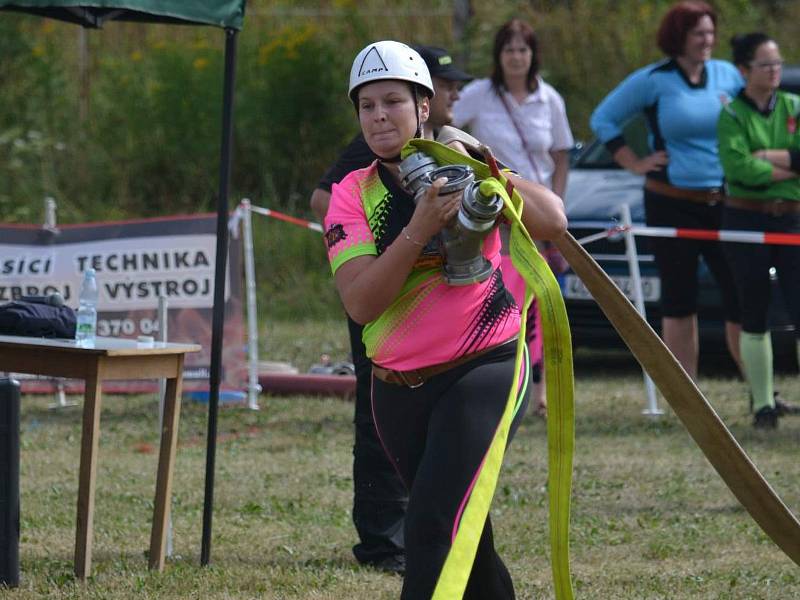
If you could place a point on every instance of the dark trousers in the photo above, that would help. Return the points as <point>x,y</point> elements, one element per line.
<point>437,436</point>
<point>379,498</point>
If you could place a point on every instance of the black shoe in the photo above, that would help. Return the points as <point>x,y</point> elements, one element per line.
<point>785,408</point>
<point>391,564</point>
<point>766,418</point>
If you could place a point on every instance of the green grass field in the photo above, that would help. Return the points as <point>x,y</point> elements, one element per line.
<point>651,519</point>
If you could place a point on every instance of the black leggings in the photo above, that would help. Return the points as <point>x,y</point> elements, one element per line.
<point>437,436</point>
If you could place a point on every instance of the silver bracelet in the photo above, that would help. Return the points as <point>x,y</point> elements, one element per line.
<point>410,239</point>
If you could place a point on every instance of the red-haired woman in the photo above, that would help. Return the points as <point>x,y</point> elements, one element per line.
<point>681,98</point>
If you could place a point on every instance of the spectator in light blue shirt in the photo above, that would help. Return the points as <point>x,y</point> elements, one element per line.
<point>681,97</point>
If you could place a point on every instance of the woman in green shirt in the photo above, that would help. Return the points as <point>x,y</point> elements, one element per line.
<point>759,146</point>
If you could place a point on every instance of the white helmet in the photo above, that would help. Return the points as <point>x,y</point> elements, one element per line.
<point>389,60</point>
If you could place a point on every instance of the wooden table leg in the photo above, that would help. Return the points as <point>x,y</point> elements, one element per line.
<point>88,470</point>
<point>166,460</point>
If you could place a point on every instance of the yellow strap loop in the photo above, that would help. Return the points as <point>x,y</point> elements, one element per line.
<point>539,282</point>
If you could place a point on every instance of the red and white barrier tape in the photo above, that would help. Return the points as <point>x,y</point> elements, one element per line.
<point>267,212</point>
<point>722,235</point>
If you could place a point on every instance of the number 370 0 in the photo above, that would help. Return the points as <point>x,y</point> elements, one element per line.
<point>117,327</point>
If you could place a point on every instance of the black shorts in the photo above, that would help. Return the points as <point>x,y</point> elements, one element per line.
<point>677,259</point>
<point>752,263</point>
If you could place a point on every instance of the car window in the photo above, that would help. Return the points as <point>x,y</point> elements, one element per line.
<point>790,80</point>
<point>597,156</point>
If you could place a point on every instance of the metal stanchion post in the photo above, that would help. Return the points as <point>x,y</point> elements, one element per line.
<point>253,387</point>
<point>162,391</point>
<point>51,224</point>
<point>61,396</point>
<point>638,300</point>
<point>50,214</point>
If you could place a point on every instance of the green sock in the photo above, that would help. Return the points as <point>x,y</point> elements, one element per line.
<point>756,349</point>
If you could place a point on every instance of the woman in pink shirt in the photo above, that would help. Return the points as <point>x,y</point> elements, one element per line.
<point>443,354</point>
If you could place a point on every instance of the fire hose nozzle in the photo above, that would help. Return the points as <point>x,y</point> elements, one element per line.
<point>461,242</point>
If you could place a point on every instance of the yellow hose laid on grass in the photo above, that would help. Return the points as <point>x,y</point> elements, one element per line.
<point>697,415</point>
<point>539,281</point>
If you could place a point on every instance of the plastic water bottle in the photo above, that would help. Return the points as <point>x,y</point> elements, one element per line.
<point>86,329</point>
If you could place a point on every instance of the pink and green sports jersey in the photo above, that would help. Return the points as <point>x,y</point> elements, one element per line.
<point>430,322</point>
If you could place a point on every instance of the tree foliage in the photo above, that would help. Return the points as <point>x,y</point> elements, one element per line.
<point>150,144</point>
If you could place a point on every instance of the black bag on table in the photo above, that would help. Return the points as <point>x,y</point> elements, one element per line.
<point>37,320</point>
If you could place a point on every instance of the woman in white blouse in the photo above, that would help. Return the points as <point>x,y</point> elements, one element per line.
<point>516,113</point>
<point>524,121</point>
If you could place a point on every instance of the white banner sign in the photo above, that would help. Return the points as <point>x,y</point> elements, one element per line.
<point>136,262</point>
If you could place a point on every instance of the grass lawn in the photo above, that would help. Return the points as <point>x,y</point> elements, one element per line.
<point>651,519</point>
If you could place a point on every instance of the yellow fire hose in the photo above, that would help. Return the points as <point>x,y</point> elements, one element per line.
<point>539,281</point>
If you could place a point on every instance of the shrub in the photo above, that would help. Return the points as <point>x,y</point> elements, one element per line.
<point>151,143</point>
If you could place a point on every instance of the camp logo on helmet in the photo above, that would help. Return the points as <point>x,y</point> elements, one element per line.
<point>388,60</point>
<point>372,63</point>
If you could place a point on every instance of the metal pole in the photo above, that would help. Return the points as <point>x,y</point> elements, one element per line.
<point>163,315</point>
<point>219,289</point>
<point>462,13</point>
<point>253,387</point>
<point>50,224</point>
<point>50,214</point>
<point>9,483</point>
<point>83,75</point>
<point>638,301</point>
<point>61,396</point>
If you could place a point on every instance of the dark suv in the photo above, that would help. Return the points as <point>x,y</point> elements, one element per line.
<point>597,187</point>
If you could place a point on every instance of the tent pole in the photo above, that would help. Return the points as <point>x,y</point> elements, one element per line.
<point>219,288</point>
<point>83,75</point>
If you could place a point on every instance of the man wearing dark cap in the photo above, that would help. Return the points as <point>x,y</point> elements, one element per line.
<point>380,498</point>
<point>447,80</point>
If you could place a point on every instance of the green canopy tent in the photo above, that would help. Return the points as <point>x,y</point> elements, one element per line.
<point>229,15</point>
<point>220,13</point>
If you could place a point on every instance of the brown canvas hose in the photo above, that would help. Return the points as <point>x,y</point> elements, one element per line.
<point>697,415</point>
